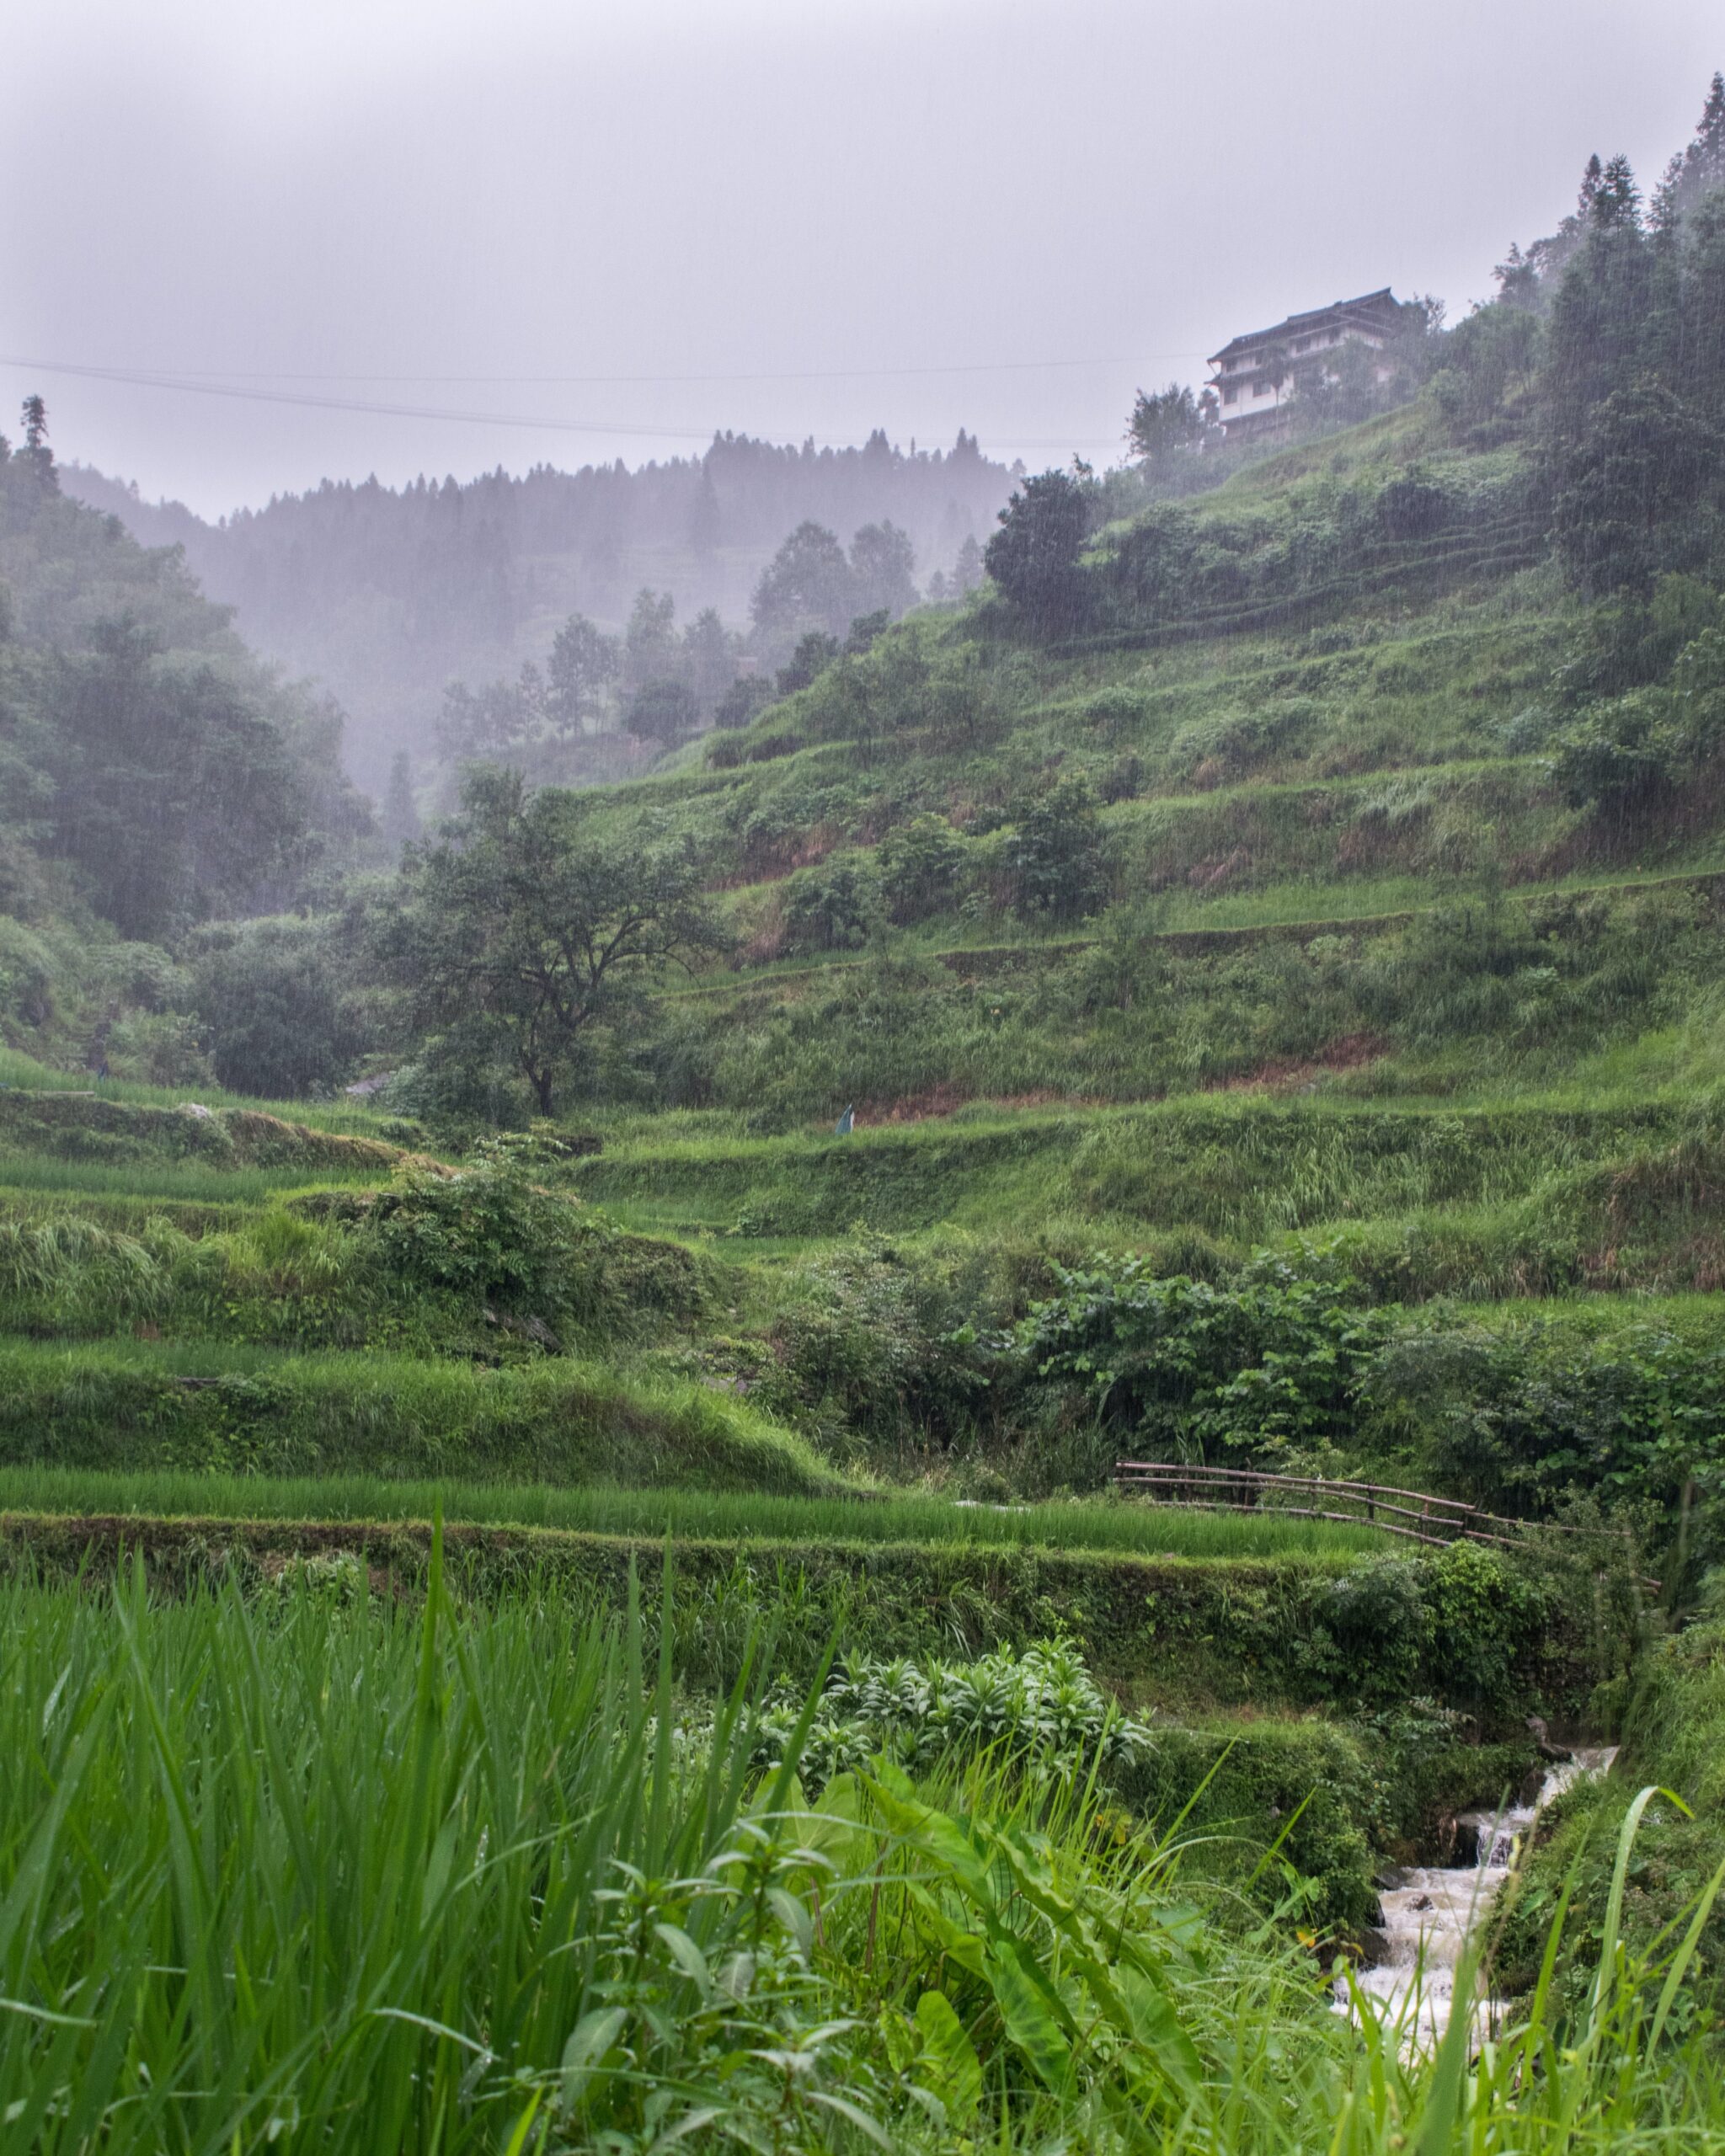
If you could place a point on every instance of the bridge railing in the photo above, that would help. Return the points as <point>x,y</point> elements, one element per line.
<point>1418,1514</point>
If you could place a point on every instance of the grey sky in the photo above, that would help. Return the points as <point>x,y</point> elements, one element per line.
<point>420,197</point>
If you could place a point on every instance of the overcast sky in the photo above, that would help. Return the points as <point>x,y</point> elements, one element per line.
<point>630,222</point>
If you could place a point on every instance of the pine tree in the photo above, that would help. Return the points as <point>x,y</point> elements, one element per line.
<point>1697,171</point>
<point>35,451</point>
<point>1616,199</point>
<point>705,523</point>
<point>400,820</point>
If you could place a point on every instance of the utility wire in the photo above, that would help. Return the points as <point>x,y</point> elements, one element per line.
<point>189,375</point>
<point>301,398</point>
<point>189,385</point>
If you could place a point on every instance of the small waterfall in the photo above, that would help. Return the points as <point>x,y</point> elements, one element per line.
<point>1428,1911</point>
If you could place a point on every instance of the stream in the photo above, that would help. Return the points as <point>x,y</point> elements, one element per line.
<point>1428,1911</point>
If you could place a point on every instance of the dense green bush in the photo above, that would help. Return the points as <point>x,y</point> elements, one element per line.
<point>483,1230</point>
<point>831,907</point>
<point>280,1021</point>
<point>1530,1413</point>
<point>881,1350</point>
<point>1055,856</point>
<point>921,867</point>
<point>1256,1373</point>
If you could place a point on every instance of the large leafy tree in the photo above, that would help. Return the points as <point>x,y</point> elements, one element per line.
<point>1168,431</point>
<point>808,584</point>
<point>1033,556</point>
<point>171,792</point>
<point>583,665</point>
<point>665,712</point>
<point>883,565</point>
<point>529,926</point>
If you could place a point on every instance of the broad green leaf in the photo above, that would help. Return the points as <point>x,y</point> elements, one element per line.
<point>1155,2028</point>
<point>591,2039</point>
<point>950,2066</point>
<point>967,1948</point>
<point>1026,2014</point>
<point>931,1832</point>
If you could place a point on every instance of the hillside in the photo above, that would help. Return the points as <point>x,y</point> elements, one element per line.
<point>153,774</point>
<point>629,1378</point>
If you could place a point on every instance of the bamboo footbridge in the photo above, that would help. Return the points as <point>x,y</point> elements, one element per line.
<point>1415,1513</point>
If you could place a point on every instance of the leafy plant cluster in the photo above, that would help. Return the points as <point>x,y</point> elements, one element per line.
<point>1050,863</point>
<point>1040,1707</point>
<point>1282,1362</point>
<point>1263,1372</point>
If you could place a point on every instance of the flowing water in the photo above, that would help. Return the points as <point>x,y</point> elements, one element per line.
<point>1429,1910</point>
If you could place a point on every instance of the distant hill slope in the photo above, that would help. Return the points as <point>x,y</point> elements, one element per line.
<point>1393,766</point>
<point>386,594</point>
<point>152,773</point>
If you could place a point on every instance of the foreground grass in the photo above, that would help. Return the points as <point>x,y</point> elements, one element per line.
<point>318,1873</point>
<point>751,1516</point>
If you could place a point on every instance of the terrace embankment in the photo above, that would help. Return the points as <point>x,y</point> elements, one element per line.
<point>63,1124</point>
<point>1473,1633</point>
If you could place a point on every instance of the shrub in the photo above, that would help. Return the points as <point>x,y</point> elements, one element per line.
<point>882,1348</point>
<point>483,1230</point>
<point>920,865</point>
<point>1056,858</point>
<point>1266,1370</point>
<point>831,907</point>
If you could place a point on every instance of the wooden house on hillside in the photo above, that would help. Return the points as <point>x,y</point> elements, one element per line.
<point>1256,376</point>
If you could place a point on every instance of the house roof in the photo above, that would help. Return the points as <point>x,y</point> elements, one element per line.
<point>1379,309</point>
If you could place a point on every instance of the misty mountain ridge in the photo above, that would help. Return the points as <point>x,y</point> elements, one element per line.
<point>386,594</point>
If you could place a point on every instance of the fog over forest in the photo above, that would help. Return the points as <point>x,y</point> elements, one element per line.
<point>387,595</point>
<point>608,237</point>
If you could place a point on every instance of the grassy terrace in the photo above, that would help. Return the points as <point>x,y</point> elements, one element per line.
<point>750,1516</point>
<point>192,1182</point>
<point>1286,1166</point>
<point>1177,917</point>
<point>121,1404</point>
<point>18,1071</point>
